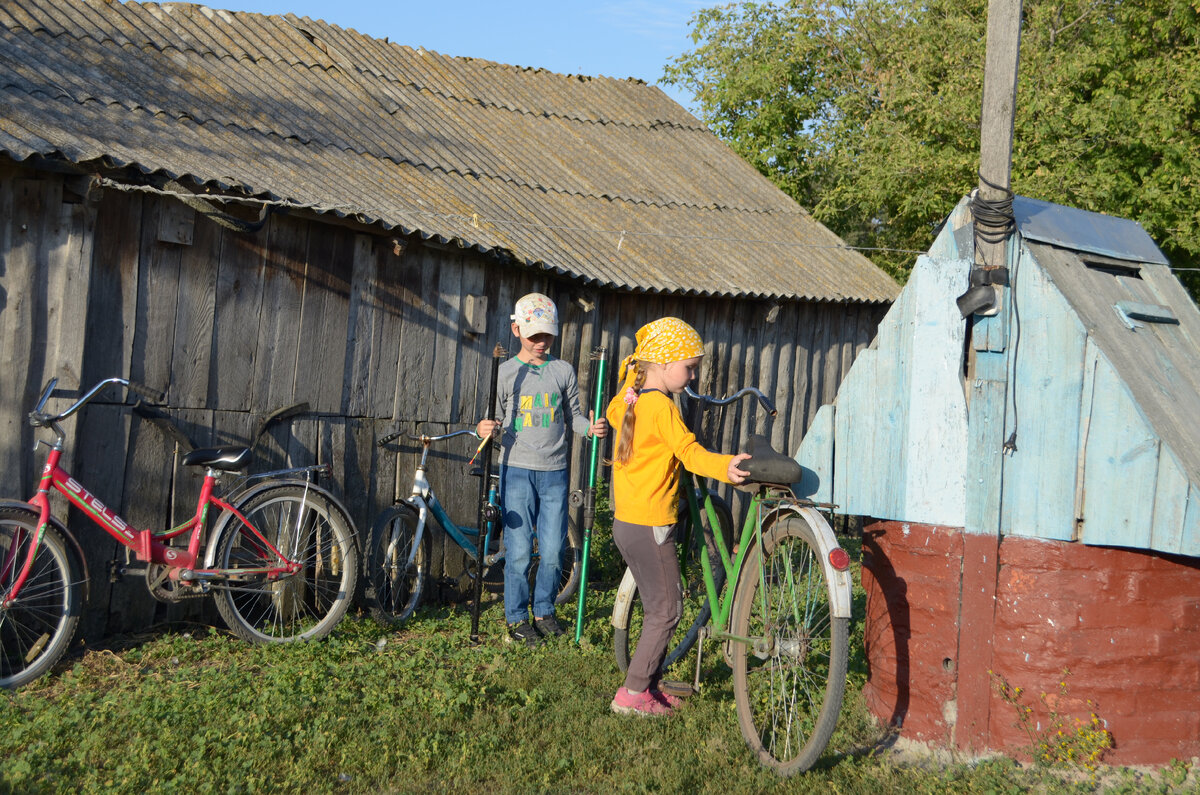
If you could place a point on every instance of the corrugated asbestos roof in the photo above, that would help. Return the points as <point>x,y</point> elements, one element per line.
<point>604,180</point>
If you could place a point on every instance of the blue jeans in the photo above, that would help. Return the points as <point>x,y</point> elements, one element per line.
<point>532,499</point>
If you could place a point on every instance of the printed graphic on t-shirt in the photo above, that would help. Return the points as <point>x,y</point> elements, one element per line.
<point>536,411</point>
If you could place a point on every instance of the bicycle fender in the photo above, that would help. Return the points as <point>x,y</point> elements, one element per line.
<point>61,528</point>
<point>839,581</point>
<point>625,593</point>
<point>242,497</point>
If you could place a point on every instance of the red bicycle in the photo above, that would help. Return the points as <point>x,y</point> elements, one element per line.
<point>281,558</point>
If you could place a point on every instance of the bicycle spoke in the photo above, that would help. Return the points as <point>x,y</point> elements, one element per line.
<point>304,604</point>
<point>789,683</point>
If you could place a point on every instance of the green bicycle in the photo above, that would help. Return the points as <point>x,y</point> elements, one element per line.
<point>784,618</point>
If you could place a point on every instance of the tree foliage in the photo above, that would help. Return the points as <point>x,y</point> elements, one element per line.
<point>867,111</point>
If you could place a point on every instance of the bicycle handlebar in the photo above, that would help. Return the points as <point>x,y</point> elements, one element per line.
<point>422,438</point>
<point>741,393</point>
<point>39,418</point>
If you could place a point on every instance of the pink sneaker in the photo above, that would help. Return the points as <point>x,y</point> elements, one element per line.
<point>643,704</point>
<point>672,702</point>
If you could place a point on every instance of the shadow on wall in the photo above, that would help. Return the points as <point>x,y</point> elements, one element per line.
<point>893,590</point>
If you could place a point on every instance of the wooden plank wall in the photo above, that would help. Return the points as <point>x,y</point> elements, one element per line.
<point>366,328</point>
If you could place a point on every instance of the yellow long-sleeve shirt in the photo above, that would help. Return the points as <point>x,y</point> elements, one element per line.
<point>646,489</point>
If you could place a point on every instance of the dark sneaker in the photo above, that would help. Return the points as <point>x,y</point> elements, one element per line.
<point>548,627</point>
<point>523,633</point>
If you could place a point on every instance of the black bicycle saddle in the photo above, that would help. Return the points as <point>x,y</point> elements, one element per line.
<point>767,465</point>
<point>229,458</point>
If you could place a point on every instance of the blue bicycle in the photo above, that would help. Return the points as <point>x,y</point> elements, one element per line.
<point>400,551</point>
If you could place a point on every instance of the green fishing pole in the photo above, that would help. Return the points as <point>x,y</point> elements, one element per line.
<point>599,366</point>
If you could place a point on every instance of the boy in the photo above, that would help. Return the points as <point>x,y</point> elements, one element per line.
<point>537,402</point>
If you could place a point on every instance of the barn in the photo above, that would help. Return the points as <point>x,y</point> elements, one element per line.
<point>1032,482</point>
<point>250,212</point>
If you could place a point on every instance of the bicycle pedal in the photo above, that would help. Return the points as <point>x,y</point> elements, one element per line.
<point>674,688</point>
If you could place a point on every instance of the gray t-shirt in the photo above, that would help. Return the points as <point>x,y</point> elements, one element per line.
<point>535,405</point>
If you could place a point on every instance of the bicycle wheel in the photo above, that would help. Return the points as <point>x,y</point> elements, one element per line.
<point>396,576</point>
<point>569,566</point>
<point>696,609</point>
<point>37,629</point>
<point>788,684</point>
<point>308,528</point>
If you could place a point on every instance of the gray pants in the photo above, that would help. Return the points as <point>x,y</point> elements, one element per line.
<point>656,570</point>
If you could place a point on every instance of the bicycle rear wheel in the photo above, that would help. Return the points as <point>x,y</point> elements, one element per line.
<point>309,529</point>
<point>569,566</point>
<point>396,575</point>
<point>696,609</point>
<point>37,629</point>
<point>788,684</point>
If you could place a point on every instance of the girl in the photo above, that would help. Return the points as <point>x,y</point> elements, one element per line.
<point>652,444</point>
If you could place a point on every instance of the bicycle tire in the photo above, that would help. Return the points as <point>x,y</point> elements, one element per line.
<point>696,609</point>
<point>307,527</point>
<point>572,564</point>
<point>788,688</point>
<point>393,586</point>
<point>38,628</point>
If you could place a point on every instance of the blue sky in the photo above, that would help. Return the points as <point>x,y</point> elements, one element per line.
<point>615,38</point>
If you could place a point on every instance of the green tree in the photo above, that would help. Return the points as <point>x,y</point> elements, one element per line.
<point>867,111</point>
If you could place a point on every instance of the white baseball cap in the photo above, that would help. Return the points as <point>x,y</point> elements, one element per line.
<point>535,314</point>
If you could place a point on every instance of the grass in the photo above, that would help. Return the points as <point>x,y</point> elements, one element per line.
<point>418,710</point>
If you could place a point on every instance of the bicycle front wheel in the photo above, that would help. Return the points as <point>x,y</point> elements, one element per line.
<point>696,609</point>
<point>396,573</point>
<point>788,682</point>
<point>309,529</point>
<point>36,629</point>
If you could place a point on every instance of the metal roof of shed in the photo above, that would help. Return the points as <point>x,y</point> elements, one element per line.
<point>1081,230</point>
<point>599,179</point>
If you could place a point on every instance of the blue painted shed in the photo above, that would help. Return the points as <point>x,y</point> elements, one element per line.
<point>1033,481</point>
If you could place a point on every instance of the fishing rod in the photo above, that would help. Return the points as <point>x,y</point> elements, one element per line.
<point>597,372</point>
<point>488,512</point>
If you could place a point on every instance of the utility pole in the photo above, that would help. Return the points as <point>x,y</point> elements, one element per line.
<point>988,390</point>
<point>992,203</point>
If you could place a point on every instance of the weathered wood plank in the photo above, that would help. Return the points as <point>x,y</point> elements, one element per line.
<point>22,321</point>
<point>1189,540</point>
<point>104,444</point>
<point>1121,460</point>
<point>237,307</point>
<point>191,360</point>
<point>363,329</point>
<point>816,456</point>
<point>933,490</point>
<point>146,504</point>
<point>277,353</point>
<point>985,441</point>
<point>70,243</point>
<point>158,296</point>
<point>1170,505</point>
<point>445,342</point>
<point>474,355</point>
<point>1046,389</point>
<point>389,310</point>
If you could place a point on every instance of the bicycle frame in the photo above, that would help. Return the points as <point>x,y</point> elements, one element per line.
<point>425,501</point>
<point>147,545</point>
<point>720,607</point>
<point>751,534</point>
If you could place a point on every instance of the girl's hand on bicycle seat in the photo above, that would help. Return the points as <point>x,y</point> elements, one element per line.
<point>737,475</point>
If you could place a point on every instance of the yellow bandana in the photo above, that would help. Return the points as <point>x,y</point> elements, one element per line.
<point>666,340</point>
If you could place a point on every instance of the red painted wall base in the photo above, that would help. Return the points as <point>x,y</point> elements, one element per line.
<point>950,614</point>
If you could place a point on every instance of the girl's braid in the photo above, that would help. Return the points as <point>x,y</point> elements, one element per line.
<point>625,443</point>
